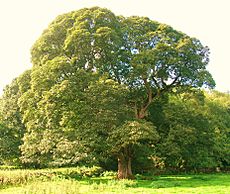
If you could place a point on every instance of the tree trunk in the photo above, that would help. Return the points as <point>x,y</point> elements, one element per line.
<point>124,165</point>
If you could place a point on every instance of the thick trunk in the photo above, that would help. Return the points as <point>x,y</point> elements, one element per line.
<point>141,114</point>
<point>124,166</point>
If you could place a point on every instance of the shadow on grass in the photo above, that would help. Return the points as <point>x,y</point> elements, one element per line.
<point>186,181</point>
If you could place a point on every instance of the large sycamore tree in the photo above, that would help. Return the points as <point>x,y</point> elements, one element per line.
<point>93,79</point>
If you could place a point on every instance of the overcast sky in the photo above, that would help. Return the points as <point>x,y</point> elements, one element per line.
<point>22,22</point>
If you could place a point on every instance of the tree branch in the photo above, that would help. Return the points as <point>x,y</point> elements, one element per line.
<point>155,82</point>
<point>142,111</point>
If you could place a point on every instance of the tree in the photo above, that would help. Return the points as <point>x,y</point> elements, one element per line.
<point>135,54</point>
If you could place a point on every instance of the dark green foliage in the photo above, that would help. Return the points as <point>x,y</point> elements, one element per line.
<point>12,128</point>
<point>193,134</point>
<point>218,106</point>
<point>9,142</point>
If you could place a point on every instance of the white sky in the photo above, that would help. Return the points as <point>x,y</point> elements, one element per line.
<point>22,22</point>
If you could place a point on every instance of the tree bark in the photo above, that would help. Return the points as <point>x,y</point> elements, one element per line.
<point>124,165</point>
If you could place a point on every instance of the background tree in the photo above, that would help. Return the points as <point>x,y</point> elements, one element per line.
<point>193,135</point>
<point>12,128</point>
<point>218,113</point>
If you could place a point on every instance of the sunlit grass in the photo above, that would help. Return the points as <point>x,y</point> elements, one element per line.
<point>65,184</point>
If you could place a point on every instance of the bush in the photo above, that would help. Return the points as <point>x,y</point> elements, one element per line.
<point>16,177</point>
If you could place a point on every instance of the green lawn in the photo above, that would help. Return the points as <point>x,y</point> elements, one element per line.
<point>205,183</point>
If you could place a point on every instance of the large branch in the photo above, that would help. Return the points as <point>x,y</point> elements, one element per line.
<point>155,82</point>
<point>175,81</point>
<point>142,111</point>
<point>160,90</point>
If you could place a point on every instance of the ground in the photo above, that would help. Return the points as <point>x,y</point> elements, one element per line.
<point>66,183</point>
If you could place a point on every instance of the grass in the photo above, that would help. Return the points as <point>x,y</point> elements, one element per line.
<point>65,183</point>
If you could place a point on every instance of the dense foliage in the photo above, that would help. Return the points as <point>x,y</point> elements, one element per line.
<point>11,126</point>
<point>104,87</point>
<point>194,130</point>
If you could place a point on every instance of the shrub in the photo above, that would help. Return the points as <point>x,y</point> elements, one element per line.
<point>16,177</point>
